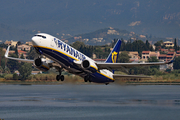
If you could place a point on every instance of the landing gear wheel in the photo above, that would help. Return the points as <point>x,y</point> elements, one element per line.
<point>62,77</point>
<point>87,78</point>
<point>106,83</point>
<point>58,77</point>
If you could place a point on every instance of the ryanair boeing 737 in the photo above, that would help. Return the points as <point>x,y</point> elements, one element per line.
<point>62,56</point>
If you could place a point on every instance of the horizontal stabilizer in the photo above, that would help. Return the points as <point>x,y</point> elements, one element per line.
<point>117,66</point>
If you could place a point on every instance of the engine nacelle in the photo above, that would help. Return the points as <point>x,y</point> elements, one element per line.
<point>89,65</point>
<point>41,64</point>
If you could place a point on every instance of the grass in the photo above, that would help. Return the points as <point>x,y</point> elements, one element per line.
<point>169,78</point>
<point>43,79</point>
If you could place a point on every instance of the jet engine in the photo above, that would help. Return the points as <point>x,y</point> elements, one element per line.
<point>89,65</point>
<point>41,64</point>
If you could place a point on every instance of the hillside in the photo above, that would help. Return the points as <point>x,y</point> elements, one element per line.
<point>98,37</point>
<point>11,33</point>
<point>106,35</point>
<point>147,17</point>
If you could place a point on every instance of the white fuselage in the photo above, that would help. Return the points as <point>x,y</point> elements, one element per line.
<point>68,57</point>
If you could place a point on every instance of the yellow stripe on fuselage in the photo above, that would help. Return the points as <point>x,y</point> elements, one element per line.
<point>106,76</point>
<point>45,67</point>
<point>58,51</point>
<point>94,67</point>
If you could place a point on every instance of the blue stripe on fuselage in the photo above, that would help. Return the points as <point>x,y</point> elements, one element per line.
<point>62,58</point>
<point>100,78</point>
<point>58,56</point>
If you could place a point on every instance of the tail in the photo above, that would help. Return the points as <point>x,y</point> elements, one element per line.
<point>113,56</point>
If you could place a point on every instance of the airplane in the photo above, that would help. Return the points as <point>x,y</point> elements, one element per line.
<point>64,57</point>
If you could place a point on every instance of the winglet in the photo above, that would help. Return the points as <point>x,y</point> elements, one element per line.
<point>173,58</point>
<point>7,52</point>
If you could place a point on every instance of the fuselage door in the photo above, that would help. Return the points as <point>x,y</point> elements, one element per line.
<point>40,40</point>
<point>52,42</point>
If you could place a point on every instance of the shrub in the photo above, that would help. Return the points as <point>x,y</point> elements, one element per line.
<point>8,76</point>
<point>31,77</point>
<point>15,76</point>
<point>43,77</point>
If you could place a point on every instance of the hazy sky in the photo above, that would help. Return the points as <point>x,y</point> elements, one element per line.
<point>76,16</point>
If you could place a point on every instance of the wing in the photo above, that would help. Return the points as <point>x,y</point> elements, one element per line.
<point>45,64</point>
<point>112,66</point>
<point>18,59</point>
<point>115,76</point>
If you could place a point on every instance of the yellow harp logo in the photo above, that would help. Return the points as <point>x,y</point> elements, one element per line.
<point>114,57</point>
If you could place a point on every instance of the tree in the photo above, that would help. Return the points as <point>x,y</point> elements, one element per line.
<point>123,45</point>
<point>77,44</point>
<point>3,45</point>
<point>153,59</point>
<point>153,71</point>
<point>25,70</point>
<point>6,70</point>
<point>139,46</point>
<point>1,69</point>
<point>114,42</point>
<point>2,57</point>
<point>147,47</point>
<point>175,45</point>
<point>151,48</point>
<point>32,54</point>
<point>140,70</point>
<point>123,57</point>
<point>16,51</point>
<point>159,44</point>
<point>129,45</point>
<point>176,64</point>
<point>22,57</point>
<point>12,64</point>
<point>3,63</point>
<point>15,76</point>
<point>19,43</point>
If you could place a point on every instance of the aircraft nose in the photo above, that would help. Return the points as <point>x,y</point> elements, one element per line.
<point>34,40</point>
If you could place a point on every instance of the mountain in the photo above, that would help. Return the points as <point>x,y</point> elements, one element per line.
<point>106,35</point>
<point>10,33</point>
<point>148,17</point>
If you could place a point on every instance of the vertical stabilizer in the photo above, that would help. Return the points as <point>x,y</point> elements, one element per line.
<point>113,56</point>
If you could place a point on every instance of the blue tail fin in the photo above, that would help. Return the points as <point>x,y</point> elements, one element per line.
<point>113,56</point>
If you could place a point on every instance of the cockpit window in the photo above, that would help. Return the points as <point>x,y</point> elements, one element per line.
<point>41,36</point>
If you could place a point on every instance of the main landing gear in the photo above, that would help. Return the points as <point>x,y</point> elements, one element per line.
<point>106,83</point>
<point>59,77</point>
<point>87,78</point>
